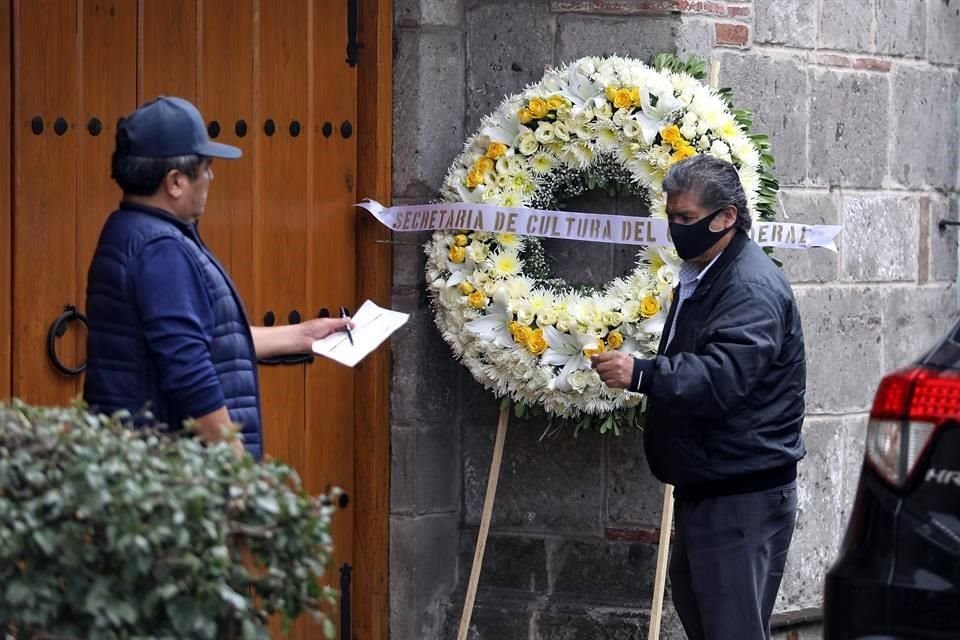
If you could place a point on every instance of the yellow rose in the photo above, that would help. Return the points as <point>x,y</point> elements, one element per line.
<point>461,240</point>
<point>474,178</point>
<point>537,344</point>
<point>525,115</point>
<point>610,92</point>
<point>496,149</point>
<point>615,340</point>
<point>457,254</point>
<point>649,306</point>
<point>622,99</point>
<point>465,288</point>
<point>594,351</point>
<point>682,152</point>
<point>538,107</point>
<point>523,335</point>
<point>477,300</point>
<point>556,102</point>
<point>484,165</point>
<point>635,96</point>
<point>671,135</point>
<point>512,327</point>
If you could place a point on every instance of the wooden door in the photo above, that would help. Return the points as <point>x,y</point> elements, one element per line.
<point>270,77</point>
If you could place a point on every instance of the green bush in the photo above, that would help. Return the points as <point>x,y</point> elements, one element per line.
<point>109,532</point>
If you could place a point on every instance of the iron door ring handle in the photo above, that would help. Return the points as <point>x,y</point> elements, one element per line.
<point>57,329</point>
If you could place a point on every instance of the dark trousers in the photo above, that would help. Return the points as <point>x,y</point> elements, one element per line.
<point>728,559</point>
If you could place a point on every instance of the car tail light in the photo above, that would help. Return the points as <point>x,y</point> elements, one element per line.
<point>909,406</point>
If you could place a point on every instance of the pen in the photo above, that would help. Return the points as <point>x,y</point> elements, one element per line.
<point>343,314</point>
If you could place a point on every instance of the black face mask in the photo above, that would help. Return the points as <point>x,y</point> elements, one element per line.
<point>692,240</point>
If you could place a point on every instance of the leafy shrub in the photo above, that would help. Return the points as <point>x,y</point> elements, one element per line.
<point>109,532</point>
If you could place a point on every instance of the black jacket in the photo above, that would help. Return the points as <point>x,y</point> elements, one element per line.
<point>726,399</point>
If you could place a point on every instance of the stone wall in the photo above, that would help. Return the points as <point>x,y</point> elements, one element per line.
<point>859,100</point>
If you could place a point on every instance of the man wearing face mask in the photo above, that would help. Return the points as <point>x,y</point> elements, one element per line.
<point>725,407</point>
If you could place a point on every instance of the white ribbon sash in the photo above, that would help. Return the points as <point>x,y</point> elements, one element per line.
<point>569,225</point>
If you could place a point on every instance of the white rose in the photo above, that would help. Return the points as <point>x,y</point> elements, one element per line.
<point>702,128</point>
<point>564,322</point>
<point>604,111</point>
<point>704,143</point>
<point>545,133</point>
<point>597,330</point>
<point>561,131</point>
<point>688,131</point>
<point>578,380</point>
<point>547,318</point>
<point>631,310</point>
<point>527,143</point>
<point>478,251</point>
<point>525,315</point>
<point>719,148</point>
<point>612,318</point>
<point>620,117</point>
<point>631,128</point>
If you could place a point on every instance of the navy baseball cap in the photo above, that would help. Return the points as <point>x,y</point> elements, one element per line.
<point>166,127</point>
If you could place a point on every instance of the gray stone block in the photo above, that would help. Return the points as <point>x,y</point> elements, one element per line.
<point>925,127</point>
<point>409,260</point>
<point>491,621</point>
<point>427,128</point>
<point>819,491</point>
<point>634,496</point>
<point>943,245</point>
<point>423,569</point>
<point>696,37</point>
<point>445,13</point>
<point>901,27</point>
<point>777,90</point>
<point>438,469</point>
<point>810,207</point>
<point>880,238</point>
<point>641,38</point>
<point>403,470</point>
<point>943,31</point>
<point>854,445</point>
<point>510,563</point>
<point>505,59</point>
<point>844,27</point>
<point>847,111</point>
<point>842,327</point>
<point>424,376</point>
<point>554,485</point>
<point>602,571</point>
<point>589,625</point>
<point>789,22</point>
<point>914,319</point>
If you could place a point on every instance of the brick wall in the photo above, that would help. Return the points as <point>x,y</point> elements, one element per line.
<point>859,100</point>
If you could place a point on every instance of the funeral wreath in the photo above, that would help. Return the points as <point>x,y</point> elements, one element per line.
<point>612,123</point>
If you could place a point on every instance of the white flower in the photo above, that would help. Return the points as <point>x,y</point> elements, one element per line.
<point>509,241</point>
<point>688,131</point>
<point>504,264</point>
<point>545,133</point>
<point>527,144</point>
<point>631,310</point>
<point>719,149</point>
<point>542,163</point>
<point>561,132</point>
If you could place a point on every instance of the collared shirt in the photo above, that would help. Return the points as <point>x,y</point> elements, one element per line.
<point>690,277</point>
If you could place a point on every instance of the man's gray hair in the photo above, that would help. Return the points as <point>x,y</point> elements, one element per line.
<point>713,181</point>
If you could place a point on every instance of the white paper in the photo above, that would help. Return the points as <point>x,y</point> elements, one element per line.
<point>372,325</point>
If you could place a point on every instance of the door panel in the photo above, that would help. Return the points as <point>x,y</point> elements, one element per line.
<point>6,206</point>
<point>168,49</point>
<point>45,242</point>
<point>226,97</point>
<point>330,265</point>
<point>108,58</point>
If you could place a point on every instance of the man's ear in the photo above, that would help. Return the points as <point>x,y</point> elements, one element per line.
<point>173,183</point>
<point>729,216</point>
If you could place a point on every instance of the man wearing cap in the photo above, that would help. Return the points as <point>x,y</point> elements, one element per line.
<point>168,334</point>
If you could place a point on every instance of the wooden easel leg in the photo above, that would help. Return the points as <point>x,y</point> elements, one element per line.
<point>663,553</point>
<point>484,523</point>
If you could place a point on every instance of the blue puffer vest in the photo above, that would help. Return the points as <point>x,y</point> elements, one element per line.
<point>122,371</point>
